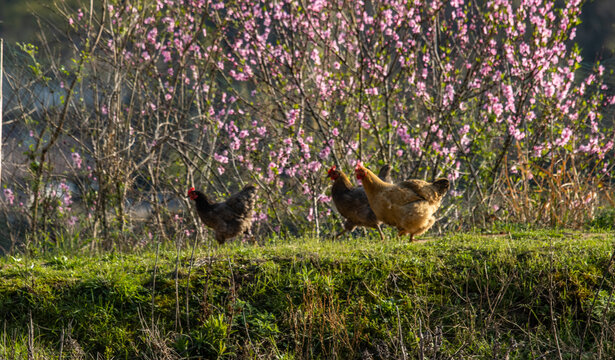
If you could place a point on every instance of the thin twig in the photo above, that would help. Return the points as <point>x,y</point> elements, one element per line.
<point>177,312</point>
<point>553,320</point>
<point>196,240</point>
<point>401,335</point>
<point>154,281</point>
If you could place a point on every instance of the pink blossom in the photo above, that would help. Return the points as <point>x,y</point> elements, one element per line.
<point>221,158</point>
<point>372,91</point>
<point>324,198</point>
<point>166,56</point>
<point>291,117</point>
<point>314,166</point>
<point>151,36</point>
<point>291,171</point>
<point>449,94</point>
<point>76,160</point>
<point>66,197</point>
<point>324,153</point>
<point>315,57</point>
<point>8,195</point>
<point>465,143</point>
<point>235,144</point>
<point>606,148</point>
<point>317,5</point>
<point>516,133</point>
<point>508,92</point>
<point>498,109</point>
<point>564,138</point>
<point>605,167</point>
<point>310,216</point>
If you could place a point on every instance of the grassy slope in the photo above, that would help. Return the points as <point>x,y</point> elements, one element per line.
<point>461,296</point>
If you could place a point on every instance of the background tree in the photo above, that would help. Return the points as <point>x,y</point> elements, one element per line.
<point>159,96</point>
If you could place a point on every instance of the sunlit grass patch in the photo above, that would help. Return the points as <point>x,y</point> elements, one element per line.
<point>457,295</point>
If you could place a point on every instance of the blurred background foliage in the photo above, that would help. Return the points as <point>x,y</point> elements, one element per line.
<point>19,18</point>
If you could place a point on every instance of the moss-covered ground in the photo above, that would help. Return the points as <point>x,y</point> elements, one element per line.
<point>519,295</point>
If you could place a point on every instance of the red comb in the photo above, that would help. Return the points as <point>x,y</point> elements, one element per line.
<point>332,169</point>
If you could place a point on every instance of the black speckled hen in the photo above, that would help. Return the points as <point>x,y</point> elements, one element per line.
<point>229,218</point>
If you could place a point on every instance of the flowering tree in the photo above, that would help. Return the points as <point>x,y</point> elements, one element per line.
<point>435,88</point>
<point>165,94</point>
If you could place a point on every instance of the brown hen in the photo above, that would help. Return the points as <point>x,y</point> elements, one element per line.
<point>351,202</point>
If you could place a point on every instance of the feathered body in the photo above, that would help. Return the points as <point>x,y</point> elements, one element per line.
<point>409,205</point>
<point>351,201</point>
<point>229,218</point>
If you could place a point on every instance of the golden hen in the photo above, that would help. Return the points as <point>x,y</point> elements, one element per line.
<point>409,205</point>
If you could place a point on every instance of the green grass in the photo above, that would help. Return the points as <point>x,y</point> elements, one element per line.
<point>525,294</point>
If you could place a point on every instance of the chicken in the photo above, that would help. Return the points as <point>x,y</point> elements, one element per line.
<point>351,202</point>
<point>229,218</point>
<point>409,205</point>
<point>385,173</point>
